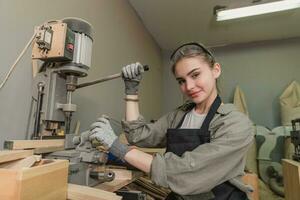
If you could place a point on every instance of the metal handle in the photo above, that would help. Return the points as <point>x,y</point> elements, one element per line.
<point>107,78</point>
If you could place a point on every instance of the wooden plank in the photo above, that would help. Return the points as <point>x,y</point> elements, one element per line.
<point>9,184</point>
<point>291,179</point>
<point>113,185</point>
<point>43,182</point>
<point>6,156</point>
<point>22,163</point>
<point>122,174</point>
<point>79,192</point>
<point>48,149</point>
<point>122,178</point>
<point>33,144</point>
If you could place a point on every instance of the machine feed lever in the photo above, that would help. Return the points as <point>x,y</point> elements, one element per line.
<point>111,77</point>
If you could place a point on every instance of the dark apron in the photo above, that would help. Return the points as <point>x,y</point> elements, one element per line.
<point>182,140</point>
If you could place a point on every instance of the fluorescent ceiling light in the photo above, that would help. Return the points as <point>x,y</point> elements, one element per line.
<point>259,9</point>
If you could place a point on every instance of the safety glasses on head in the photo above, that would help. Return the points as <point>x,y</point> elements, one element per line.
<point>188,49</point>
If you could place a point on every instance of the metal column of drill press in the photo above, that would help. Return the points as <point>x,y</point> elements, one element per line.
<point>40,94</point>
<point>295,138</point>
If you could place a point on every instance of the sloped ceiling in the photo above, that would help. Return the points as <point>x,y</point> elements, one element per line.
<point>172,22</point>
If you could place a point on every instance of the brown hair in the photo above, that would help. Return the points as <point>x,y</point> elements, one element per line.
<point>190,50</point>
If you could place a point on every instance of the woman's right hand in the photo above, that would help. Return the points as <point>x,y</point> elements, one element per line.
<point>132,75</point>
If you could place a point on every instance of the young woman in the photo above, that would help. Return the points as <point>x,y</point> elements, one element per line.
<point>206,141</point>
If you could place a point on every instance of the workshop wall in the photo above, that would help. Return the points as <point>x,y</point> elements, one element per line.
<point>263,70</point>
<point>119,39</point>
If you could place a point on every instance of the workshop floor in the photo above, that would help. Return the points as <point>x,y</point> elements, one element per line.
<point>266,194</point>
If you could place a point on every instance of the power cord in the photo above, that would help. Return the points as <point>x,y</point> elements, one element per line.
<point>17,60</point>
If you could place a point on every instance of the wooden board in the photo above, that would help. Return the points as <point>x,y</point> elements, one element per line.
<point>33,144</point>
<point>6,156</point>
<point>21,163</point>
<point>122,174</point>
<point>113,185</point>
<point>122,178</point>
<point>48,149</point>
<point>43,182</point>
<point>79,192</point>
<point>291,178</point>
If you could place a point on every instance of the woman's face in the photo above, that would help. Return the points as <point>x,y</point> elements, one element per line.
<point>197,80</point>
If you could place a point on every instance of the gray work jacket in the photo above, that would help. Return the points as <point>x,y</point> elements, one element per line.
<point>208,165</point>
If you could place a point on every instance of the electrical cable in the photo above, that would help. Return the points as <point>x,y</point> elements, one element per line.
<point>17,60</point>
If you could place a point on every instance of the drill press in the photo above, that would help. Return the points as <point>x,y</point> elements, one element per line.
<point>65,47</point>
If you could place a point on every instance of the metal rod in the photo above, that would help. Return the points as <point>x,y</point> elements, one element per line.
<point>114,76</point>
<point>69,97</point>
<point>36,129</point>
<point>107,78</point>
<point>68,115</point>
<point>68,122</point>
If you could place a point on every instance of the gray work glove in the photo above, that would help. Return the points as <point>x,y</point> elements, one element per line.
<point>101,130</point>
<point>132,75</point>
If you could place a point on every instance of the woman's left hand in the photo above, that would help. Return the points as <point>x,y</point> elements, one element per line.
<point>102,131</point>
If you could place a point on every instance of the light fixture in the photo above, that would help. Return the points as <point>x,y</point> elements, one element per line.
<point>223,14</point>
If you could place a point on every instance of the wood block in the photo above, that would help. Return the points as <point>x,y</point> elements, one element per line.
<point>79,192</point>
<point>48,149</point>
<point>21,163</point>
<point>122,174</point>
<point>33,144</point>
<point>43,182</point>
<point>291,179</point>
<point>6,156</point>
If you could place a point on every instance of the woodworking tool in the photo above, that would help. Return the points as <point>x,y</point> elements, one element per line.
<point>65,48</point>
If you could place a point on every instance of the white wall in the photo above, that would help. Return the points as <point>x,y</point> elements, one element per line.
<point>119,38</point>
<point>262,70</point>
